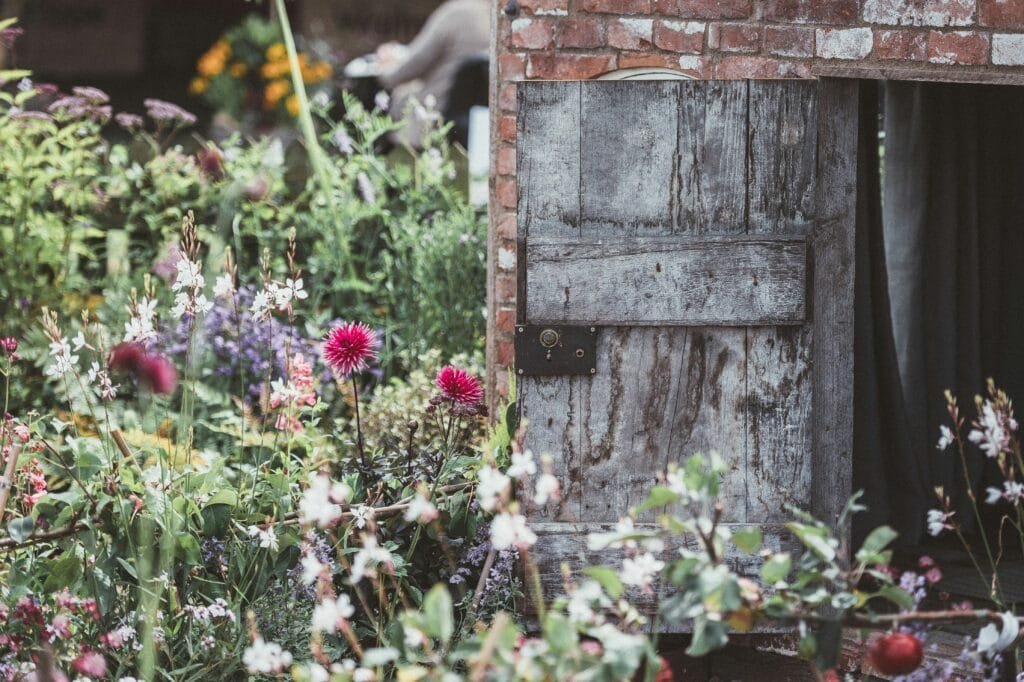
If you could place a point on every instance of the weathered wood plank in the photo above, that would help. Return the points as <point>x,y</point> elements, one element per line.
<point>712,157</point>
<point>559,542</point>
<point>550,408</point>
<point>548,158</point>
<point>783,153</point>
<point>628,126</point>
<point>650,282</point>
<point>659,395</point>
<point>832,295</point>
<point>778,413</point>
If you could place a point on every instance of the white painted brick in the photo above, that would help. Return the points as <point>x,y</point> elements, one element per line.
<point>687,27</point>
<point>638,27</point>
<point>1008,49</point>
<point>847,43</point>
<point>506,259</point>
<point>690,63</point>
<point>928,13</point>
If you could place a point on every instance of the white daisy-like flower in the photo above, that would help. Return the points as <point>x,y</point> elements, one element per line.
<point>420,509</point>
<point>267,537</point>
<point>522,465</point>
<point>511,530</point>
<point>946,437</point>
<point>640,570</point>
<point>546,489</point>
<point>329,613</point>
<point>265,657</point>
<point>492,486</point>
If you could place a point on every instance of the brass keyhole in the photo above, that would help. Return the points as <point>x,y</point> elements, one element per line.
<point>549,338</point>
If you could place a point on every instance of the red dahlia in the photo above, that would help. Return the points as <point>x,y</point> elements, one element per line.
<point>459,386</point>
<point>349,346</point>
<point>151,369</point>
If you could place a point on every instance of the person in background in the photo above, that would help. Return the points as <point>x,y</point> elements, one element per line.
<point>456,30</point>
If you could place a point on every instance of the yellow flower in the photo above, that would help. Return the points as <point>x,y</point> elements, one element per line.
<point>292,104</point>
<point>198,85</point>
<point>276,52</point>
<point>274,91</point>
<point>210,64</point>
<point>238,69</point>
<point>272,70</point>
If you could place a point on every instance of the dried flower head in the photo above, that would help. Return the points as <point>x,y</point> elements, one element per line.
<point>168,113</point>
<point>349,346</point>
<point>459,386</point>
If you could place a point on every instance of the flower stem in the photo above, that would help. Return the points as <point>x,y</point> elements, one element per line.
<point>359,428</point>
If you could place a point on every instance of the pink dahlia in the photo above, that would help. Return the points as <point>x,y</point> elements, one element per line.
<point>349,346</point>
<point>152,369</point>
<point>459,386</point>
<point>90,663</point>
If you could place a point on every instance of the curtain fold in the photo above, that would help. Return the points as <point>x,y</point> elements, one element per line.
<point>953,219</point>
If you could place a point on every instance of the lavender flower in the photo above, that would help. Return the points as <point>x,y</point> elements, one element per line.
<point>129,121</point>
<point>91,94</point>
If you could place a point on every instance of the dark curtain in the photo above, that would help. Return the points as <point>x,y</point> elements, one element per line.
<point>953,219</point>
<point>886,465</point>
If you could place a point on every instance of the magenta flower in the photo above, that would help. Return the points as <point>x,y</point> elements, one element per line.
<point>459,386</point>
<point>349,346</point>
<point>151,369</point>
<point>90,663</point>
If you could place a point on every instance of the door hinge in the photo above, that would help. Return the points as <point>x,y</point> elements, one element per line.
<point>551,350</point>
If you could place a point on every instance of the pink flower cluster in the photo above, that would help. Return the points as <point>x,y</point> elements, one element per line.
<point>299,391</point>
<point>35,482</point>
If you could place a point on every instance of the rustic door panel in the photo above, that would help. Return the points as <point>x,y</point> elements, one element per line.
<point>706,230</point>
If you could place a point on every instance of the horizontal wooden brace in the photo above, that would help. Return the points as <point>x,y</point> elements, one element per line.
<point>700,281</point>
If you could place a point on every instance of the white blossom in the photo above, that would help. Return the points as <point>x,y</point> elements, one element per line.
<point>312,569</point>
<point>510,530</point>
<point>330,612</point>
<point>580,608</point>
<point>992,432</point>
<point>79,341</point>
<point>946,437</point>
<point>492,486</point>
<point>316,506</point>
<point>522,465</point>
<point>267,537</point>
<point>361,515</point>
<point>63,361</point>
<point>546,489</point>
<point>382,100</point>
<point>938,521</point>
<point>260,307</point>
<point>368,558</point>
<point>1012,491</point>
<point>265,657</point>
<point>641,569</point>
<point>420,509</point>
<point>223,286</point>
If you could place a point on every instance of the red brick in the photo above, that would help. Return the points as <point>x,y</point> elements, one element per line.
<point>511,67</point>
<point>789,41</point>
<point>504,352</point>
<point>580,32</point>
<point>732,67</point>
<point>656,60</point>
<point>958,47</point>
<point>505,319</point>
<point>705,9</point>
<point>505,225</point>
<point>506,162</point>
<point>685,37</point>
<point>897,44</point>
<point>735,37</point>
<point>532,34</point>
<point>507,97</point>
<point>505,287</point>
<point>835,12</point>
<point>630,34</point>
<point>551,66</point>
<point>507,129</point>
<point>1002,13</point>
<point>615,6</point>
<point>505,190</point>
<point>544,6</point>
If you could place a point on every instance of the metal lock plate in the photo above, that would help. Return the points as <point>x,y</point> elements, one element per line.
<point>552,350</point>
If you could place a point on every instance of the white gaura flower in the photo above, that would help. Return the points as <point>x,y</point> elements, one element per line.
<point>79,341</point>
<point>312,569</point>
<point>1012,492</point>
<point>492,486</point>
<point>582,602</point>
<point>265,657</point>
<point>190,276</point>
<point>510,530</point>
<point>316,507</point>
<point>361,515</point>
<point>946,437</point>
<point>370,557</point>
<point>260,307</point>
<point>329,613</point>
<point>420,509</point>
<point>546,489</point>
<point>938,521</point>
<point>223,286</point>
<point>63,361</point>
<point>992,430</point>
<point>267,537</point>
<point>640,570</point>
<point>522,465</point>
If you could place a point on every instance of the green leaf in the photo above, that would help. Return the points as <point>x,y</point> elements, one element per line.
<point>226,496</point>
<point>815,539</point>
<point>608,579</point>
<point>559,633</point>
<point>21,528</point>
<point>708,635</point>
<point>776,568</point>
<point>378,656</point>
<point>897,596</point>
<point>747,539</point>
<point>659,497</point>
<point>437,613</point>
<point>63,573</point>
<point>875,542</point>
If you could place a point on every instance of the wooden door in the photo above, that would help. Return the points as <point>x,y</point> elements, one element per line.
<point>705,230</point>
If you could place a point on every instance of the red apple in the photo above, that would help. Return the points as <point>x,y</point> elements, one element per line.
<point>897,654</point>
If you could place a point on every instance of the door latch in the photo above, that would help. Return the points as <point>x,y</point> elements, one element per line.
<point>552,350</point>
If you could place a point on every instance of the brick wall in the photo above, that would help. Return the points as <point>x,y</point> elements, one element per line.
<point>726,39</point>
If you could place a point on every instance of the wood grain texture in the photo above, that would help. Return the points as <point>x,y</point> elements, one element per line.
<point>650,282</point>
<point>712,157</point>
<point>660,394</point>
<point>783,152</point>
<point>551,411</point>
<point>628,156</point>
<point>548,156</point>
<point>832,292</point>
